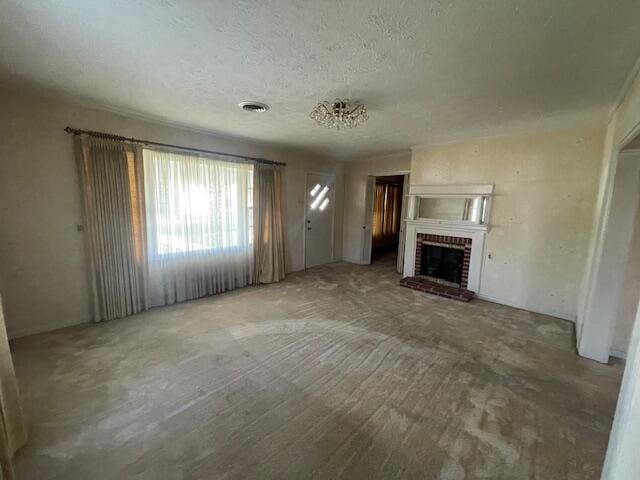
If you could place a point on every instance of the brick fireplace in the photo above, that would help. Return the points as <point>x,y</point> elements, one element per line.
<point>444,251</point>
<point>441,266</point>
<point>426,240</point>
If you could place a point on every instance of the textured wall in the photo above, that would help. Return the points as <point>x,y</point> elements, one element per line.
<point>42,273</point>
<point>545,186</point>
<point>355,186</point>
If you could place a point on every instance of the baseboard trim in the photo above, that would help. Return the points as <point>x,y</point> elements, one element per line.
<point>618,354</point>
<point>354,261</point>
<point>14,335</point>
<point>502,301</point>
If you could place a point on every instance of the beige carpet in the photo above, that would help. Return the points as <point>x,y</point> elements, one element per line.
<point>335,373</point>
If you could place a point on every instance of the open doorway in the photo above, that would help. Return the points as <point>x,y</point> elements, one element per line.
<point>384,222</point>
<point>619,266</point>
<point>615,289</point>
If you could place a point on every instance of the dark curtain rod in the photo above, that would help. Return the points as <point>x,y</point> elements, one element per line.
<point>119,138</point>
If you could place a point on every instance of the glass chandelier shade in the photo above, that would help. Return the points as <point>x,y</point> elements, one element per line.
<point>339,114</point>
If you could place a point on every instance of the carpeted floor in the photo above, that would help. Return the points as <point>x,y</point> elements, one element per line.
<point>336,373</point>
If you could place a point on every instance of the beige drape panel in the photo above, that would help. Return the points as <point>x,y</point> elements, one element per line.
<point>268,224</point>
<point>13,433</point>
<point>111,180</point>
<point>386,213</point>
<point>378,212</point>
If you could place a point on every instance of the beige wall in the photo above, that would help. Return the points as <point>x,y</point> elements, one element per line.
<point>541,219</point>
<point>355,185</point>
<point>43,274</point>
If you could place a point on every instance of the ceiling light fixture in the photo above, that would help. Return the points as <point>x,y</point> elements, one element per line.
<point>340,114</point>
<point>256,107</point>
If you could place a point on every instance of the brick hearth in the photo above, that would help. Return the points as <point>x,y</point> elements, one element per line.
<point>424,285</point>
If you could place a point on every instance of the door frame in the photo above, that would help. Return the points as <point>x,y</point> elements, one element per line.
<point>333,213</point>
<point>594,334</point>
<point>368,216</point>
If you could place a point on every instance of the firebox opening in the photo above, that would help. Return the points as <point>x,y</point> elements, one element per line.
<point>442,264</point>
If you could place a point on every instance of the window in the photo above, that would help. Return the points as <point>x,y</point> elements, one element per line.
<point>196,205</point>
<point>319,197</point>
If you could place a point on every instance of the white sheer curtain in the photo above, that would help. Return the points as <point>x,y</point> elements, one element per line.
<point>199,213</point>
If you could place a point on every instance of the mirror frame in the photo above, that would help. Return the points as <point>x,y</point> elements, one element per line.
<point>482,198</point>
<point>416,192</point>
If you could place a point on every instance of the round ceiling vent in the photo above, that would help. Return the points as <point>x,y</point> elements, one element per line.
<point>254,106</point>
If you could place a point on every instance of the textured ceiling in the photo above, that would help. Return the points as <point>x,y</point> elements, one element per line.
<point>428,71</point>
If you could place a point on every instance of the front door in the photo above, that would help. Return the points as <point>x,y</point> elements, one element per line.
<point>319,219</point>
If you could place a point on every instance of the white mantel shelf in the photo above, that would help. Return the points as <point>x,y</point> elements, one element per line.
<point>450,190</point>
<point>449,225</point>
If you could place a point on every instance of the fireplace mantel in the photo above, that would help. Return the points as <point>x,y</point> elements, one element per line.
<point>479,195</point>
<point>474,227</point>
<point>449,224</point>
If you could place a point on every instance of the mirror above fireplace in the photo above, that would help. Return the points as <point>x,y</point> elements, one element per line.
<point>466,205</point>
<point>463,209</point>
